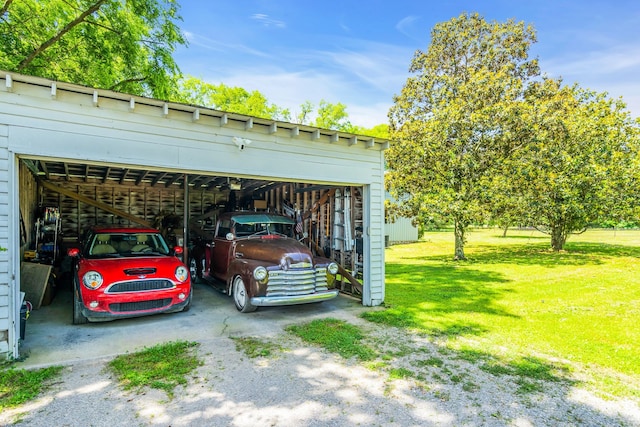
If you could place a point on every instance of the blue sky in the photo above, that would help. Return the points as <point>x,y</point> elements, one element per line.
<point>358,52</point>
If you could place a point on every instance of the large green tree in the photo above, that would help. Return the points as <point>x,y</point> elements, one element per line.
<point>125,46</point>
<point>457,117</point>
<point>577,167</point>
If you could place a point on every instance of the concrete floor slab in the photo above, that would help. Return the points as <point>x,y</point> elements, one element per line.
<point>51,338</point>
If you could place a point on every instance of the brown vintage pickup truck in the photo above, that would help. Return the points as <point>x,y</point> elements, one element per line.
<point>255,258</point>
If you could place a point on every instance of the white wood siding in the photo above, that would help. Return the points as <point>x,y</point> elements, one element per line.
<point>5,304</point>
<point>71,126</point>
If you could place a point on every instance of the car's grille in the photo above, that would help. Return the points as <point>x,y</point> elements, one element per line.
<point>139,286</point>
<point>124,307</point>
<point>296,282</point>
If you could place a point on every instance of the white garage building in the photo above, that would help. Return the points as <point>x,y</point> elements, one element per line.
<point>99,156</point>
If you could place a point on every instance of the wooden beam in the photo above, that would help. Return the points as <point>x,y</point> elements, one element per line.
<point>142,176</point>
<point>43,165</point>
<point>158,178</point>
<point>94,203</point>
<point>355,284</point>
<point>321,201</point>
<point>106,174</point>
<point>314,188</point>
<point>125,172</point>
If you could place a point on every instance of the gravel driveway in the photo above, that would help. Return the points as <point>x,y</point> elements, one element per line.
<point>416,383</point>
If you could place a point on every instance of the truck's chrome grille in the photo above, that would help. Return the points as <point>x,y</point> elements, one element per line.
<point>296,282</point>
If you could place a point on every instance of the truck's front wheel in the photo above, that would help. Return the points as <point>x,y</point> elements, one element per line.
<point>241,297</point>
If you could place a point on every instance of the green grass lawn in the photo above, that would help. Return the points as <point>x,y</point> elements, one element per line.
<point>514,298</point>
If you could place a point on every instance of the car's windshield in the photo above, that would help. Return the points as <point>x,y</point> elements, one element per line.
<point>262,228</point>
<point>103,245</point>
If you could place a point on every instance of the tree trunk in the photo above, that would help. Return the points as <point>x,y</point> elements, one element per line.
<point>558,238</point>
<point>504,232</point>
<point>460,240</point>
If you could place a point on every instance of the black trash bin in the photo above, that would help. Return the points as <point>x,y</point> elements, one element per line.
<point>24,315</point>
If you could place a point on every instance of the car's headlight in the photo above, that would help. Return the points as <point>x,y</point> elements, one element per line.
<point>92,279</point>
<point>260,274</point>
<point>182,273</point>
<point>332,268</point>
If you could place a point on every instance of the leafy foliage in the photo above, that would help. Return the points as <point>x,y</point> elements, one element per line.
<point>111,44</point>
<point>192,90</point>
<point>457,118</point>
<point>479,138</point>
<point>577,167</point>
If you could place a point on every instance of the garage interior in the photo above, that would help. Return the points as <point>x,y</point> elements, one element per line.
<point>61,199</point>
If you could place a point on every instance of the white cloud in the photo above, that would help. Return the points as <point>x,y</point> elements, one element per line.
<point>207,43</point>
<point>362,75</point>
<point>291,89</point>
<point>613,70</point>
<point>266,21</point>
<point>405,25</point>
<point>599,62</point>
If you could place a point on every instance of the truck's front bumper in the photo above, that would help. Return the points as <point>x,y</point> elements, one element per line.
<point>294,299</point>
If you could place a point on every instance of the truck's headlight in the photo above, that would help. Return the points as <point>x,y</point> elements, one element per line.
<point>182,273</point>
<point>92,279</point>
<point>260,274</point>
<point>332,268</point>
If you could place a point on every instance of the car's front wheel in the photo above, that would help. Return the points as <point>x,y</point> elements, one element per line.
<point>78,317</point>
<point>193,270</point>
<point>187,307</point>
<point>241,297</point>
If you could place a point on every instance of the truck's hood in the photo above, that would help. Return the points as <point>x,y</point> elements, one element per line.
<point>276,250</point>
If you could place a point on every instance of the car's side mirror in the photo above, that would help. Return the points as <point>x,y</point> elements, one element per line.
<point>177,250</point>
<point>229,236</point>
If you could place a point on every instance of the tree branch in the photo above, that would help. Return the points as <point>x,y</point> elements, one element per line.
<point>132,80</point>
<point>26,61</point>
<point>5,7</point>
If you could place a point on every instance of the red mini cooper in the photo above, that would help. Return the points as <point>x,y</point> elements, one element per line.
<point>127,272</point>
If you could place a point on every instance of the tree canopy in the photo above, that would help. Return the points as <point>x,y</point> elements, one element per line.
<point>192,90</point>
<point>111,44</point>
<point>456,119</point>
<point>479,135</point>
<point>577,166</point>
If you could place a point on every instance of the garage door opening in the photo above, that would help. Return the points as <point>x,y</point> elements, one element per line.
<point>60,199</point>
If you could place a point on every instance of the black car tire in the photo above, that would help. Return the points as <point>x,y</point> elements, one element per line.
<point>193,271</point>
<point>78,317</point>
<point>188,306</point>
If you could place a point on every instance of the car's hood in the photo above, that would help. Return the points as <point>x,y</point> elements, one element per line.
<point>275,250</point>
<point>132,267</point>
